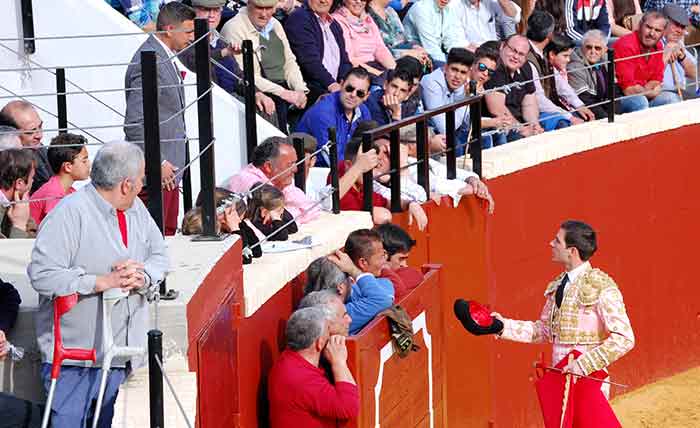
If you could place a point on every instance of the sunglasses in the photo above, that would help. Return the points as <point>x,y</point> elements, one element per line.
<point>482,67</point>
<point>593,47</point>
<point>359,92</point>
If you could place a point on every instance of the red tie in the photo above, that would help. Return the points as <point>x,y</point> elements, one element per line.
<point>183,74</point>
<point>121,219</point>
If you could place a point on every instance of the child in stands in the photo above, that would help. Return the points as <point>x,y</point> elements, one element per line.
<point>69,161</point>
<point>266,213</point>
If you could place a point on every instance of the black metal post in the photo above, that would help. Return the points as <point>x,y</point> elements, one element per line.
<point>367,177</point>
<point>151,136</point>
<point>28,26</point>
<point>155,378</point>
<point>422,149</point>
<point>394,165</point>
<point>187,180</point>
<point>611,85</point>
<point>451,145</point>
<point>251,131</point>
<point>300,175</point>
<point>61,103</point>
<point>204,119</point>
<point>333,159</point>
<point>475,143</point>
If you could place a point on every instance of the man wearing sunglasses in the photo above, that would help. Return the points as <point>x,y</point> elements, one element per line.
<point>342,110</point>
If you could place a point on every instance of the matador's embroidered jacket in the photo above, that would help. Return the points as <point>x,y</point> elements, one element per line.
<point>592,319</point>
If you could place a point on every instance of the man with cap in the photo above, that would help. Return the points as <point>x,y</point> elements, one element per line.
<point>276,70</point>
<point>226,73</point>
<point>680,63</point>
<point>583,309</point>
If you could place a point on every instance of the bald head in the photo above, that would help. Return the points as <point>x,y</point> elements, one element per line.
<point>22,115</point>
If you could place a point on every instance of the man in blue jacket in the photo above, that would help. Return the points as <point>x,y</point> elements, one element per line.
<point>317,41</point>
<point>342,110</point>
<point>363,259</point>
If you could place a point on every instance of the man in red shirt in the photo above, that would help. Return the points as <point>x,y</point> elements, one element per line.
<point>642,76</point>
<point>300,395</point>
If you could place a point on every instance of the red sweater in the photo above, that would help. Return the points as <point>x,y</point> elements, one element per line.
<point>637,71</point>
<point>301,396</point>
<point>354,199</point>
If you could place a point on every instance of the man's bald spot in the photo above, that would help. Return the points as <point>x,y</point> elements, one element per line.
<point>13,107</point>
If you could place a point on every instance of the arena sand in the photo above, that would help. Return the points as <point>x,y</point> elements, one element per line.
<point>673,402</point>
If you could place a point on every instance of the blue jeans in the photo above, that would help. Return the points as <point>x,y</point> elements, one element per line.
<point>76,392</point>
<point>664,98</point>
<point>635,103</point>
<point>552,121</point>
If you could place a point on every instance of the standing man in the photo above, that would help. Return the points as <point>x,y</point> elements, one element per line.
<point>643,75</point>
<point>22,116</point>
<point>583,309</point>
<point>98,238</point>
<point>176,32</point>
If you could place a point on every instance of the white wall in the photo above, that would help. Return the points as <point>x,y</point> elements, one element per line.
<point>78,17</point>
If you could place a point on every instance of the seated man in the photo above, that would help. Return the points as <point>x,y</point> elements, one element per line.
<point>339,318</point>
<point>481,21</point>
<point>274,161</point>
<point>680,63</point>
<point>317,41</point>
<point>590,83</point>
<point>642,75</point>
<point>342,110</point>
<point>364,256</point>
<point>436,27</point>
<point>22,116</point>
<point>17,167</point>
<point>385,105</point>
<point>540,30</point>
<point>276,71</point>
<point>357,295</point>
<point>224,69</point>
<point>518,105</point>
<point>398,243</point>
<point>70,163</point>
<point>297,387</point>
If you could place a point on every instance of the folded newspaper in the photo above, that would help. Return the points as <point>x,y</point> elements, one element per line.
<point>286,246</point>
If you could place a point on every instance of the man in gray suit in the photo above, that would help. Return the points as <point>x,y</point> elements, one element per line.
<point>176,32</point>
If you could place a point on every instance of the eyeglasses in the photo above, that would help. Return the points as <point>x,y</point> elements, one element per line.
<point>482,67</point>
<point>359,92</point>
<point>594,48</point>
<point>516,52</point>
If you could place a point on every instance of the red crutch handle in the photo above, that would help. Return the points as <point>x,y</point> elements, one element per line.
<point>61,305</point>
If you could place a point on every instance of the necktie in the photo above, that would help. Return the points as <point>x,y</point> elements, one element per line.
<point>121,219</point>
<point>559,296</point>
<point>601,83</point>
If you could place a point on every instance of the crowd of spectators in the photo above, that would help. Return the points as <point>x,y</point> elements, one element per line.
<point>353,65</point>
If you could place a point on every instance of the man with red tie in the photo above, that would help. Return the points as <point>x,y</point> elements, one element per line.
<point>98,238</point>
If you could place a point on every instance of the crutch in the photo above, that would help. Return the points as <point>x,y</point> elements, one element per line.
<point>61,305</point>
<point>110,298</point>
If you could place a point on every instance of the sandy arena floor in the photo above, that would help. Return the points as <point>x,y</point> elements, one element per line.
<point>670,403</point>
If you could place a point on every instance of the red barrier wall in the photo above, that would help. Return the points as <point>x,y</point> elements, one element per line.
<point>641,198</point>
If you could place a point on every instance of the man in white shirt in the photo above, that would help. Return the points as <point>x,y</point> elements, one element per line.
<point>484,20</point>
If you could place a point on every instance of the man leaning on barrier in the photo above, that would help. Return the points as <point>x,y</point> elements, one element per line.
<point>641,77</point>
<point>299,392</point>
<point>176,26</point>
<point>274,161</point>
<point>100,237</point>
<point>679,62</point>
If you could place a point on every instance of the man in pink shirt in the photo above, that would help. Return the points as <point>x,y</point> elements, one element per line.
<point>70,163</point>
<point>299,392</point>
<point>275,160</point>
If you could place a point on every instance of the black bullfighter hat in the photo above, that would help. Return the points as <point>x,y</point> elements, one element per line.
<point>476,319</point>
